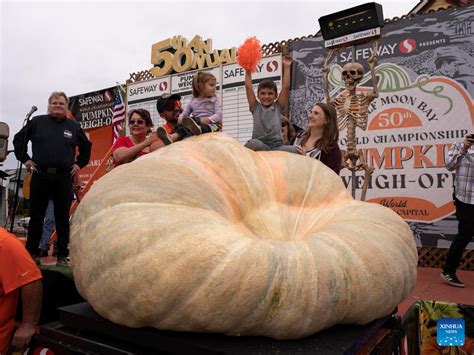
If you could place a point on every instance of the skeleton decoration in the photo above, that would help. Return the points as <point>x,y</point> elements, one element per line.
<point>352,110</point>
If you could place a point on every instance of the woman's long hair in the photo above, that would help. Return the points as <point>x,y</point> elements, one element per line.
<point>330,130</point>
<point>290,129</point>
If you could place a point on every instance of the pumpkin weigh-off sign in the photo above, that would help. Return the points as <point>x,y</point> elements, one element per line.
<point>209,236</point>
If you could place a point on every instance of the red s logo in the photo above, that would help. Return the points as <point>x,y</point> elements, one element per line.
<point>407,45</point>
<point>108,96</point>
<point>163,86</point>
<point>272,66</point>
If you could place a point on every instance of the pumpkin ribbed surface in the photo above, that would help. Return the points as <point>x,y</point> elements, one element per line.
<point>206,235</point>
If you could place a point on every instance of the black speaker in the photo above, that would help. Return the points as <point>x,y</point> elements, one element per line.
<point>356,19</point>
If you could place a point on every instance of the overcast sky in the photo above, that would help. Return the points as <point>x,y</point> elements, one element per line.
<point>83,46</point>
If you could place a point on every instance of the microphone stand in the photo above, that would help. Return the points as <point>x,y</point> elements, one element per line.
<point>18,175</point>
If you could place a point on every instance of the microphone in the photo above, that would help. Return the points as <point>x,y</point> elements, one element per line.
<point>33,109</point>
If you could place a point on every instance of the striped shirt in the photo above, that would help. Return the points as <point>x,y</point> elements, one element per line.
<point>463,162</point>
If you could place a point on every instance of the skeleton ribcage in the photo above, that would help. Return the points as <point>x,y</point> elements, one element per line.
<point>354,108</point>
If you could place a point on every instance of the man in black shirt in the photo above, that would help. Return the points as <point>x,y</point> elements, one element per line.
<point>54,139</point>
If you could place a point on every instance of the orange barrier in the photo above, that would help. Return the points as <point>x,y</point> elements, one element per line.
<point>101,170</point>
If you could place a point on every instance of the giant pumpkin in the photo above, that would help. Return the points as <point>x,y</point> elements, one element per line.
<point>208,236</point>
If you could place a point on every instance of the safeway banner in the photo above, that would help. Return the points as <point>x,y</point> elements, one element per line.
<point>94,111</point>
<point>426,83</point>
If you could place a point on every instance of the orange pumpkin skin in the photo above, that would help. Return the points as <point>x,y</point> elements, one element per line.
<point>206,235</point>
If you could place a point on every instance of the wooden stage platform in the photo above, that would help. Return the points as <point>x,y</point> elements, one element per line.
<point>430,286</point>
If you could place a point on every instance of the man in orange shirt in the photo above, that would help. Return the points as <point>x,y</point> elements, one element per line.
<point>18,275</point>
<point>169,107</point>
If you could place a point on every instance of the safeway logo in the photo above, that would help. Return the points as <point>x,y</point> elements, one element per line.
<point>407,46</point>
<point>272,66</point>
<point>108,96</point>
<point>163,86</point>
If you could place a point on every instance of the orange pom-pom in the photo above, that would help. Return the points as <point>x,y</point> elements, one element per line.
<point>249,54</point>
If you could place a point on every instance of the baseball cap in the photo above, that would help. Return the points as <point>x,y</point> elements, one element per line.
<point>165,100</point>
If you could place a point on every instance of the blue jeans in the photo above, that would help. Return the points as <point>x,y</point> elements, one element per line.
<point>258,145</point>
<point>48,226</point>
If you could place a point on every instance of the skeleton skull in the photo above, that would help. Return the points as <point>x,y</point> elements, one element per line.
<point>352,73</point>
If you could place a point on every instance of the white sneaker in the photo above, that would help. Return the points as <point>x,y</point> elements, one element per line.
<point>163,135</point>
<point>62,261</point>
<point>192,125</point>
<point>452,279</point>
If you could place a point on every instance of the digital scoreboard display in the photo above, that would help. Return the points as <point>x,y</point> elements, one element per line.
<point>355,19</point>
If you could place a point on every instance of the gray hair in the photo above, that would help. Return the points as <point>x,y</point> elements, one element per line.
<point>56,94</point>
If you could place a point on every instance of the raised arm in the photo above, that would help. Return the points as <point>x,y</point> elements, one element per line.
<point>326,76</point>
<point>285,84</point>
<point>457,153</point>
<point>372,63</point>
<point>251,99</point>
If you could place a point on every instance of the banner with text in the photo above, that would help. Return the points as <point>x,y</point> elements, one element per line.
<point>144,94</point>
<point>426,83</point>
<point>94,109</point>
<point>237,119</point>
<point>101,139</point>
<point>94,112</point>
